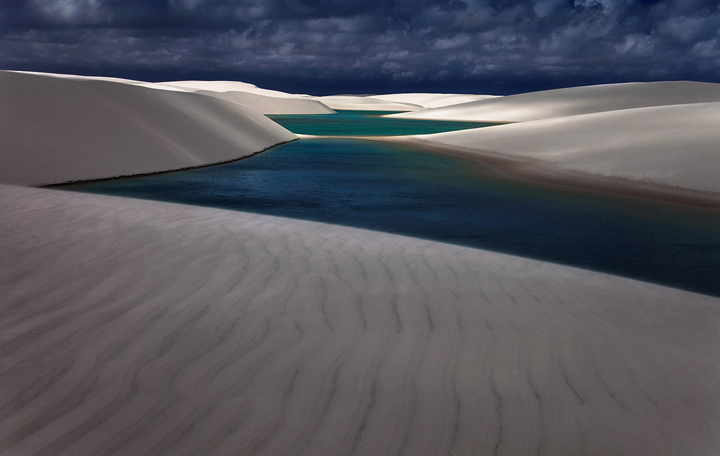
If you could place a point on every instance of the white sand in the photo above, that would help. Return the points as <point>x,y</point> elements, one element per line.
<point>431,100</point>
<point>261,100</point>
<point>229,86</point>
<point>101,78</point>
<point>272,105</point>
<point>56,129</point>
<point>671,145</point>
<point>364,103</point>
<point>133,327</point>
<point>574,101</point>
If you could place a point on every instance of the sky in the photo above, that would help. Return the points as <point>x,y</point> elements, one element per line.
<point>368,46</point>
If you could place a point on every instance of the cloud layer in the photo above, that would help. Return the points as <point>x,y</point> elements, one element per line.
<point>369,45</point>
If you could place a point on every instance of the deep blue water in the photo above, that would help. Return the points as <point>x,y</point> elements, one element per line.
<point>409,191</point>
<point>367,123</point>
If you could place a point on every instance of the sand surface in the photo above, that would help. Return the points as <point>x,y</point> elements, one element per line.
<point>56,129</point>
<point>431,100</point>
<point>134,327</point>
<point>674,145</point>
<point>364,103</point>
<point>262,100</point>
<point>229,86</point>
<point>272,105</point>
<point>151,85</point>
<point>574,101</point>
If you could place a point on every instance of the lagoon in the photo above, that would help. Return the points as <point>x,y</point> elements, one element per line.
<point>367,123</point>
<point>406,190</point>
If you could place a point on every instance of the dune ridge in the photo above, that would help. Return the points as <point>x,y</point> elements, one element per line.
<point>431,100</point>
<point>574,101</point>
<point>262,100</point>
<point>134,327</point>
<point>56,129</point>
<point>674,145</point>
<point>365,103</point>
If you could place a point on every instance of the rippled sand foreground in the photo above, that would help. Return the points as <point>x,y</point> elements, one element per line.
<point>136,327</point>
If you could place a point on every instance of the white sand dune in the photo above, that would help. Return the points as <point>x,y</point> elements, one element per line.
<point>574,101</point>
<point>134,327</point>
<point>56,129</point>
<point>272,105</point>
<point>365,103</point>
<point>229,86</point>
<point>261,100</point>
<point>101,78</point>
<point>431,100</point>
<point>675,145</point>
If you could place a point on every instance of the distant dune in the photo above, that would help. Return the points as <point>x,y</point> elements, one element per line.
<point>574,101</point>
<point>361,103</point>
<point>675,145</point>
<point>136,327</point>
<point>431,100</point>
<point>56,129</point>
<point>261,100</point>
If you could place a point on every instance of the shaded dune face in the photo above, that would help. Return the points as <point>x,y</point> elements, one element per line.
<point>574,101</point>
<point>134,327</point>
<point>55,129</point>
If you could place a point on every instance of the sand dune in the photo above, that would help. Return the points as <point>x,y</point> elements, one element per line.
<point>261,100</point>
<point>671,145</point>
<point>575,101</point>
<point>361,103</point>
<point>56,129</point>
<point>135,327</point>
<point>101,78</point>
<point>431,100</point>
<point>272,105</point>
<point>229,86</point>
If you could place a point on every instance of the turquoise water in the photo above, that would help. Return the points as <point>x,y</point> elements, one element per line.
<point>404,190</point>
<point>366,123</point>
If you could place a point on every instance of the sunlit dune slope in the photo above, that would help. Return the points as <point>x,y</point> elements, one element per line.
<point>431,100</point>
<point>262,100</point>
<point>574,101</point>
<point>677,145</point>
<point>365,103</point>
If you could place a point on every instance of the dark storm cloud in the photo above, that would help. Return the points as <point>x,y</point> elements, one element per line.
<point>369,45</point>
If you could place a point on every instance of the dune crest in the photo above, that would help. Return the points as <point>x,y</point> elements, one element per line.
<point>56,129</point>
<point>674,145</point>
<point>262,100</point>
<point>431,100</point>
<point>574,101</point>
<point>365,103</point>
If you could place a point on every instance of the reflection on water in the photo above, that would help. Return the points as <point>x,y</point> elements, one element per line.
<point>405,190</point>
<point>367,123</point>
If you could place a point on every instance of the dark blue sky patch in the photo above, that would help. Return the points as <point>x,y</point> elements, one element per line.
<point>369,46</point>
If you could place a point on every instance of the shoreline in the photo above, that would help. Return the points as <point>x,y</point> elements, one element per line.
<point>154,173</point>
<point>522,169</point>
<point>540,173</point>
